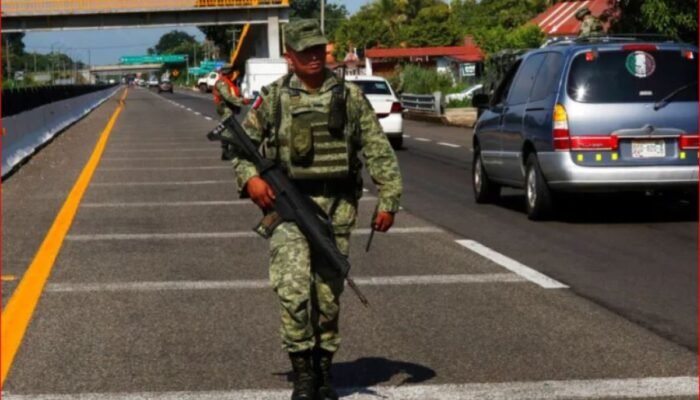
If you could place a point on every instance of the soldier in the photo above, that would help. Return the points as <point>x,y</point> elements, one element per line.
<point>590,25</point>
<point>315,125</point>
<point>227,98</point>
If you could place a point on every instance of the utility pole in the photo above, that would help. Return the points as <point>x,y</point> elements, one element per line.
<point>233,46</point>
<point>187,70</point>
<point>9,64</point>
<point>323,17</point>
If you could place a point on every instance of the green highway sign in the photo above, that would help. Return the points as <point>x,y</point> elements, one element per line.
<point>155,59</point>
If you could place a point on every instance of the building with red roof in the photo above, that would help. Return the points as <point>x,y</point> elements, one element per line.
<point>457,59</point>
<point>560,19</point>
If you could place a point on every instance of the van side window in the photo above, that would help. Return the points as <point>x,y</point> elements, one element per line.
<point>525,79</point>
<point>501,93</point>
<point>547,77</point>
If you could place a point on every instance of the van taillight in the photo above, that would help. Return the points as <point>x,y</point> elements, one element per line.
<point>688,142</point>
<point>396,108</point>
<point>561,129</point>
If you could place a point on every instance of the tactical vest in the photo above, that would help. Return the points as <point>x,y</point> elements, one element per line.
<point>304,144</point>
<point>232,88</point>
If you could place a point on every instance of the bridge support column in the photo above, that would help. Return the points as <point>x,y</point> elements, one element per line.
<point>273,36</point>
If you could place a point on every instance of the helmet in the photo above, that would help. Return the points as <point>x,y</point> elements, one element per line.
<point>582,12</point>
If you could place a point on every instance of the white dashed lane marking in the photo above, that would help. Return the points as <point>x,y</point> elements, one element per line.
<point>656,387</point>
<point>420,139</point>
<point>513,265</point>
<point>449,144</point>
<point>225,235</point>
<point>265,283</point>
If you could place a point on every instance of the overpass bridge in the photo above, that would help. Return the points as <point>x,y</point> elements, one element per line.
<point>52,15</point>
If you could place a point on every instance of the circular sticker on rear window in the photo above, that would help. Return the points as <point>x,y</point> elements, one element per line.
<point>640,64</point>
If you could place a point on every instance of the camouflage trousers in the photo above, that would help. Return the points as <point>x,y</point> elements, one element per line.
<point>308,290</point>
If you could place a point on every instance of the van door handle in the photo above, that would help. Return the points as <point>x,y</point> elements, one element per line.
<point>535,109</point>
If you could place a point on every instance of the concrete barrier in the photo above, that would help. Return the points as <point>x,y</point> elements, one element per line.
<point>466,116</point>
<point>26,132</point>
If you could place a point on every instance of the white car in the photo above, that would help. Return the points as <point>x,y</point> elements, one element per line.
<point>153,82</point>
<point>385,104</point>
<point>465,94</point>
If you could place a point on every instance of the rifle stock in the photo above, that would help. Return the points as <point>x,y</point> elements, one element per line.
<point>290,204</point>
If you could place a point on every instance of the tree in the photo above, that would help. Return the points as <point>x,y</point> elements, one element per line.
<point>222,37</point>
<point>509,14</point>
<point>365,29</point>
<point>335,14</point>
<point>430,28</point>
<point>492,40</point>
<point>173,39</point>
<point>675,18</point>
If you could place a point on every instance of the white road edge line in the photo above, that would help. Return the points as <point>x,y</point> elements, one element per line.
<point>541,390</point>
<point>181,203</point>
<point>449,144</point>
<point>156,158</point>
<point>221,235</point>
<point>208,167</point>
<point>208,118</point>
<point>513,265</point>
<point>265,283</point>
<point>160,183</point>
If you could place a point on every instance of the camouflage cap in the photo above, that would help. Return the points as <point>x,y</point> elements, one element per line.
<point>303,34</point>
<point>582,12</point>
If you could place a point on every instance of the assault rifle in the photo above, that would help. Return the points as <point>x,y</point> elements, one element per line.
<point>290,204</point>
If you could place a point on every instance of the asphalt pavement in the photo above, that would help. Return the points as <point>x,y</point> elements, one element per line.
<point>159,289</point>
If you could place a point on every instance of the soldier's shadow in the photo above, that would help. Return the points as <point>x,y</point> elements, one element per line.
<point>357,377</point>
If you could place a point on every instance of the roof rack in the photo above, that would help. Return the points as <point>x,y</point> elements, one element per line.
<point>608,38</point>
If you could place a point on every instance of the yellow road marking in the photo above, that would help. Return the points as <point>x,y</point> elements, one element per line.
<point>8,278</point>
<point>20,308</point>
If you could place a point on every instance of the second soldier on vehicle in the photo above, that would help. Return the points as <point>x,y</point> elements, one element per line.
<point>590,25</point>
<point>227,98</point>
<point>315,126</point>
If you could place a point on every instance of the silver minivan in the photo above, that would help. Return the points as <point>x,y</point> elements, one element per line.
<point>590,115</point>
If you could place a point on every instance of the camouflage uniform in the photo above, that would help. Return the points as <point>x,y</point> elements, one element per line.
<point>227,104</point>
<point>590,25</point>
<point>309,296</point>
<point>223,109</point>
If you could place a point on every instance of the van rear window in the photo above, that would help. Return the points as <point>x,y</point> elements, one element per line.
<point>632,76</point>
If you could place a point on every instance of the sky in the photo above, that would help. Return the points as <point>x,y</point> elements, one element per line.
<point>99,47</point>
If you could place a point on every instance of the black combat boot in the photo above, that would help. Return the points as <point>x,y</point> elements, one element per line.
<point>324,380</point>
<point>303,376</point>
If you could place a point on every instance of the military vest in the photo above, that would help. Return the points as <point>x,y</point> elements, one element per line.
<point>304,144</point>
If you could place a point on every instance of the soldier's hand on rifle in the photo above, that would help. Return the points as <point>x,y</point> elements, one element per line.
<point>383,221</point>
<point>260,192</point>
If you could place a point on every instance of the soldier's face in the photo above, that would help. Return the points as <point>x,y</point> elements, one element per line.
<point>309,62</point>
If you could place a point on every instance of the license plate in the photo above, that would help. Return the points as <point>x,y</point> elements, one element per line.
<point>648,148</point>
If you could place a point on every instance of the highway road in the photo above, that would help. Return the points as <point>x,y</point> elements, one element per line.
<point>149,283</point>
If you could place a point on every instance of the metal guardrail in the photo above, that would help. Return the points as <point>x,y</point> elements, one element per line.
<point>426,103</point>
<point>12,8</point>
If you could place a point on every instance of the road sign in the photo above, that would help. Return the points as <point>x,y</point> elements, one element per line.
<point>468,69</point>
<point>154,59</point>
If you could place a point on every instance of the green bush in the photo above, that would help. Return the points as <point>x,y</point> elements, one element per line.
<point>419,80</point>
<point>459,103</point>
